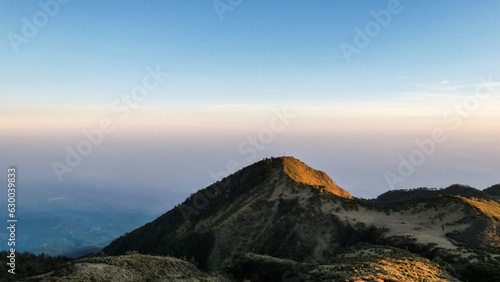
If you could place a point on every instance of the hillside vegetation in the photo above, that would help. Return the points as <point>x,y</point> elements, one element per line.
<point>423,193</point>
<point>131,268</point>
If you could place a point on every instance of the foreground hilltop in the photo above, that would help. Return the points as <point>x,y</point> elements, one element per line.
<point>280,220</point>
<point>131,267</point>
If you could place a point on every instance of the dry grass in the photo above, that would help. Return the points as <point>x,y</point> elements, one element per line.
<point>490,208</point>
<point>301,173</point>
<point>366,262</point>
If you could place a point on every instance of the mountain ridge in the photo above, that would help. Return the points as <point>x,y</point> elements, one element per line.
<point>424,192</point>
<point>493,190</point>
<point>282,208</point>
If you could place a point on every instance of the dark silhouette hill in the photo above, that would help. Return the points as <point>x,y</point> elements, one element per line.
<point>493,190</point>
<point>423,192</point>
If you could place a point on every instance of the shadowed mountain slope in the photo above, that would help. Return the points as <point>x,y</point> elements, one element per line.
<point>260,208</point>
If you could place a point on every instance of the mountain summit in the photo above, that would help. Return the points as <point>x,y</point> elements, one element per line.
<point>298,172</point>
<point>301,173</point>
<point>253,210</point>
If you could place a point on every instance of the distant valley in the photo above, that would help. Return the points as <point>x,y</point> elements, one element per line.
<point>73,233</point>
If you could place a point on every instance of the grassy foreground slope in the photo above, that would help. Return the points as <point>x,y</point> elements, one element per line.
<point>131,268</point>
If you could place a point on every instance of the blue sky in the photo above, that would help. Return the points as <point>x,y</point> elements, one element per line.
<point>262,52</point>
<point>226,76</point>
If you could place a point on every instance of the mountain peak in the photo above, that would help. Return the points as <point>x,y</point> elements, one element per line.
<point>301,173</point>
